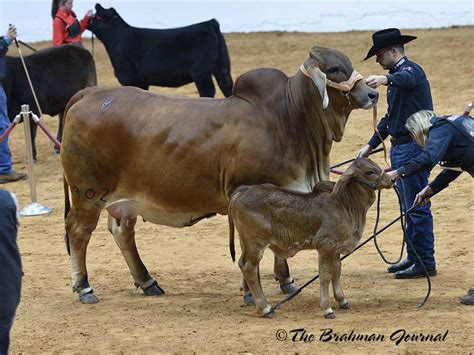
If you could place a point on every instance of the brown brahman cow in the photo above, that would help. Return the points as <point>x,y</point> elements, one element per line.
<point>330,219</point>
<point>175,160</point>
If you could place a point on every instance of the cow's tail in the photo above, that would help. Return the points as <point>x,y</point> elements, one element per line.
<point>222,68</point>
<point>67,208</point>
<point>67,204</point>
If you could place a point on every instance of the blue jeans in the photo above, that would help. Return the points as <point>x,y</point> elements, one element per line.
<point>6,323</point>
<point>420,222</point>
<point>5,156</point>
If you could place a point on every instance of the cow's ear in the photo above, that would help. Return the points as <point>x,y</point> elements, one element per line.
<point>319,79</point>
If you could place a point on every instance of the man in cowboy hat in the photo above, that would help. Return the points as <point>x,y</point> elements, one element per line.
<point>408,91</point>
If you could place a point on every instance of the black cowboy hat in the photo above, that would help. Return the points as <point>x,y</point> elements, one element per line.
<point>385,38</point>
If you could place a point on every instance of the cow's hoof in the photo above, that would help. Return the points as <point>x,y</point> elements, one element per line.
<point>154,290</point>
<point>346,305</point>
<point>88,298</point>
<point>330,315</point>
<point>289,288</point>
<point>248,299</point>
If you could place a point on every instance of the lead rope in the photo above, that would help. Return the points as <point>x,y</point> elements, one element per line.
<point>28,77</point>
<point>403,225</point>
<point>376,130</point>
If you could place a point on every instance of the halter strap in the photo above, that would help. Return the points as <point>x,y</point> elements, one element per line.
<point>346,85</point>
<point>373,185</point>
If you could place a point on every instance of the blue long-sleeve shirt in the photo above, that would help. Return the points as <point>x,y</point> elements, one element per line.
<point>445,143</point>
<point>4,43</point>
<point>10,263</point>
<point>408,92</point>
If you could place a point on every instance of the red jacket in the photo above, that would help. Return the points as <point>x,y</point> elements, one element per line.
<point>60,32</point>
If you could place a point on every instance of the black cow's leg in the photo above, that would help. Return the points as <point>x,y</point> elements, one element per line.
<point>33,127</point>
<point>80,223</point>
<point>59,136</point>
<point>224,80</point>
<point>282,275</point>
<point>124,235</point>
<point>205,87</point>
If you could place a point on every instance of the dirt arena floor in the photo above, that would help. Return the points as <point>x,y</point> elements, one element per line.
<point>203,310</point>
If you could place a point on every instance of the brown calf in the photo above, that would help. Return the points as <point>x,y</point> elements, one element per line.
<point>330,219</point>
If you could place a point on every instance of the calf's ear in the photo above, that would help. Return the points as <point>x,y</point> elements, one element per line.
<point>319,79</point>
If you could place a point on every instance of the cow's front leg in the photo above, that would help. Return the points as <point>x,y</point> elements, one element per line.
<point>326,265</point>
<point>336,284</point>
<point>281,272</point>
<point>79,227</point>
<point>124,235</point>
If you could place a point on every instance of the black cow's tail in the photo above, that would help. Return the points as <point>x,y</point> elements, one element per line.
<point>222,69</point>
<point>67,208</point>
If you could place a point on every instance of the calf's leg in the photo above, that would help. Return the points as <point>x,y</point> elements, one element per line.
<point>249,264</point>
<point>124,235</point>
<point>80,224</point>
<point>326,265</point>
<point>336,284</point>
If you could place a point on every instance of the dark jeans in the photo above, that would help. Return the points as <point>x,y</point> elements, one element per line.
<point>420,221</point>
<point>5,326</point>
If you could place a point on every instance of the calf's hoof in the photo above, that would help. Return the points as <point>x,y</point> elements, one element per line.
<point>267,312</point>
<point>289,288</point>
<point>154,290</point>
<point>346,305</point>
<point>248,299</point>
<point>88,298</point>
<point>330,315</point>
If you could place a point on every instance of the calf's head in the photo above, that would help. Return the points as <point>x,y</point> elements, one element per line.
<point>105,20</point>
<point>336,80</point>
<point>366,172</point>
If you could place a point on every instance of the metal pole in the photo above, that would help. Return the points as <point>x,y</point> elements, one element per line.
<point>25,113</point>
<point>34,208</point>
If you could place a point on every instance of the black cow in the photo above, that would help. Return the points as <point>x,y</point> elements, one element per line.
<point>172,57</point>
<point>57,73</point>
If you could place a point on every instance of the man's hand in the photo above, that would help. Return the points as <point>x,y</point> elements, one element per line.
<point>11,32</point>
<point>364,152</point>
<point>374,81</point>
<point>393,175</point>
<point>423,196</point>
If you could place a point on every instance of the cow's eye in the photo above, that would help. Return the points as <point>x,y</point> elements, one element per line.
<point>370,173</point>
<point>333,70</point>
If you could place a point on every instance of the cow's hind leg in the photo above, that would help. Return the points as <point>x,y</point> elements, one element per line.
<point>80,224</point>
<point>124,235</point>
<point>282,275</point>
<point>244,287</point>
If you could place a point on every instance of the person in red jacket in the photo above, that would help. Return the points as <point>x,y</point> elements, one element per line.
<point>66,28</point>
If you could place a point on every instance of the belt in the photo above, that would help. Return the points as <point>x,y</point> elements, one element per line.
<point>400,140</point>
